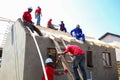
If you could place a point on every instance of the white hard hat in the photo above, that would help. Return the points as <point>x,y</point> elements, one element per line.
<point>30,8</point>
<point>48,60</point>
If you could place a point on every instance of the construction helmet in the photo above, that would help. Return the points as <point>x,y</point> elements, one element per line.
<point>30,8</point>
<point>48,60</point>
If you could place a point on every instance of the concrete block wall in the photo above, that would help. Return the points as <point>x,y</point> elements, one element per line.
<point>20,60</point>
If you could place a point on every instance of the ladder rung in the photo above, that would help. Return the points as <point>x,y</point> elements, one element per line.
<point>69,61</point>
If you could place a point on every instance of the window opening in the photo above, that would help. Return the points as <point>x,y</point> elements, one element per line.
<point>89,59</point>
<point>106,59</point>
<point>52,53</point>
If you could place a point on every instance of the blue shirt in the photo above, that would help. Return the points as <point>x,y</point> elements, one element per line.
<point>77,32</point>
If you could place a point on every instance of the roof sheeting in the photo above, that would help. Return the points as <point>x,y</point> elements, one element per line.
<point>47,32</point>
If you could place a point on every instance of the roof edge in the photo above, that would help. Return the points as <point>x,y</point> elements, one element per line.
<point>108,33</point>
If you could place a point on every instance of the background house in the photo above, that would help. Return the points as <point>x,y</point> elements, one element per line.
<point>113,39</point>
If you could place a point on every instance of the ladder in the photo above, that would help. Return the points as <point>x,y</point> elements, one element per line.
<point>63,60</point>
<point>60,43</point>
<point>79,72</point>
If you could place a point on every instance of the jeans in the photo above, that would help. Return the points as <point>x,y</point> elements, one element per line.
<point>64,30</point>
<point>80,36</point>
<point>38,19</point>
<point>79,61</point>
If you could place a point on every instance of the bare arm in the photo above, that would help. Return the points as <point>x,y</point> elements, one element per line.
<point>61,53</point>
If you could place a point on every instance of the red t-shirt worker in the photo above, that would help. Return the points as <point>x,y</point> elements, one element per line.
<point>78,60</point>
<point>50,70</point>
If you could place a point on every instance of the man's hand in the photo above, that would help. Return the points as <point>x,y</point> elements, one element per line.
<point>70,55</point>
<point>60,53</point>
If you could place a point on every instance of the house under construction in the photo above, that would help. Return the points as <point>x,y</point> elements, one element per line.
<point>23,55</point>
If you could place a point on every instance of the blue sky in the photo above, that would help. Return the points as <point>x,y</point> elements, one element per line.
<point>96,17</point>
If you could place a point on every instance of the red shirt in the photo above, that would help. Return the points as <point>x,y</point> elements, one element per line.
<point>49,23</point>
<point>38,11</point>
<point>50,73</point>
<point>75,50</point>
<point>27,16</point>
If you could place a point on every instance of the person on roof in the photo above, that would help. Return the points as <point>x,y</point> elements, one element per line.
<point>78,60</point>
<point>62,27</point>
<point>50,70</point>
<point>78,33</point>
<point>50,25</point>
<point>38,14</point>
<point>27,20</point>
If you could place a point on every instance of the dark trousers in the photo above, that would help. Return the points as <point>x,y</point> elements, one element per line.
<point>82,36</point>
<point>79,61</point>
<point>33,28</point>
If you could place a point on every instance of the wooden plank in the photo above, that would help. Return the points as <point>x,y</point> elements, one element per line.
<point>63,60</point>
<point>39,52</point>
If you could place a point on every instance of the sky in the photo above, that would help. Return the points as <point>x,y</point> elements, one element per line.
<point>96,17</point>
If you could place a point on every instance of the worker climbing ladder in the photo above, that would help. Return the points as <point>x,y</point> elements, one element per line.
<point>79,72</point>
<point>63,60</point>
<point>60,44</point>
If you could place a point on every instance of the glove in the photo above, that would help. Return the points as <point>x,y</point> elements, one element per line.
<point>66,71</point>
